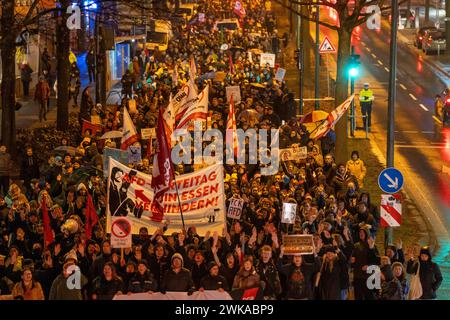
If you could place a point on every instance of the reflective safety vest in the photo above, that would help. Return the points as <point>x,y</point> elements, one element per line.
<point>366,95</point>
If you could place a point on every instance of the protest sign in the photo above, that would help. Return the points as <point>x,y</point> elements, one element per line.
<point>120,232</point>
<point>295,154</point>
<point>234,91</point>
<point>235,208</point>
<point>279,76</point>
<point>201,194</point>
<point>298,244</point>
<point>146,133</point>
<point>134,154</point>
<point>267,58</point>
<point>93,128</point>
<point>289,213</point>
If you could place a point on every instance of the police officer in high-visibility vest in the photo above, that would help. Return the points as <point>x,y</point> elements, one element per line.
<point>365,100</point>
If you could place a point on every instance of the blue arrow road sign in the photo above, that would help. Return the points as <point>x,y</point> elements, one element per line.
<point>390,180</point>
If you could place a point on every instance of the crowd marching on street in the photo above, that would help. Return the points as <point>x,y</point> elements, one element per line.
<point>54,216</point>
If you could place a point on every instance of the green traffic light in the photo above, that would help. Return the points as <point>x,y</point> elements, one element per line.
<point>353,72</point>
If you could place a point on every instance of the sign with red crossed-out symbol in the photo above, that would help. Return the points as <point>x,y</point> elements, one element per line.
<point>391,210</point>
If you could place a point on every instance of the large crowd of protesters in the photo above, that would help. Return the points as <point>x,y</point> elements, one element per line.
<point>331,202</point>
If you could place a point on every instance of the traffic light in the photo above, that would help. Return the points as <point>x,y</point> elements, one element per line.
<point>353,66</point>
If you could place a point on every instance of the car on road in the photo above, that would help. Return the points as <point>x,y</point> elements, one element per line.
<point>434,41</point>
<point>418,37</point>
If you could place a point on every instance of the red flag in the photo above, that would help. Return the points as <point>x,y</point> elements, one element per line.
<point>163,172</point>
<point>231,65</point>
<point>231,134</point>
<point>130,134</point>
<point>48,232</point>
<point>91,217</point>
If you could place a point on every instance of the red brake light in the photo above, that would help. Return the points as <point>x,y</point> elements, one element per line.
<point>420,38</point>
<point>447,100</point>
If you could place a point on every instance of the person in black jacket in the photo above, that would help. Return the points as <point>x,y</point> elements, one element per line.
<point>143,280</point>
<point>87,104</point>
<point>29,169</point>
<point>177,278</point>
<point>365,253</point>
<point>429,272</point>
<point>199,269</point>
<point>107,285</point>
<point>213,281</point>
<point>269,274</point>
<point>334,264</point>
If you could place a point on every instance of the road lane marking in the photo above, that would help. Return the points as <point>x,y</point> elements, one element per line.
<point>374,56</point>
<point>368,49</point>
<point>379,61</point>
<point>413,97</point>
<point>403,86</point>
<point>437,119</point>
<point>386,68</point>
<point>420,146</point>
<point>363,43</point>
<point>423,107</point>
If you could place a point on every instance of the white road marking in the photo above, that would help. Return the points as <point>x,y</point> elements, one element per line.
<point>368,49</point>
<point>387,69</point>
<point>374,56</point>
<point>420,146</point>
<point>380,62</point>
<point>413,97</point>
<point>403,86</point>
<point>363,43</point>
<point>423,107</point>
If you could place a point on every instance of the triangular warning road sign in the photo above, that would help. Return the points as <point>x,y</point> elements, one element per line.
<point>326,46</point>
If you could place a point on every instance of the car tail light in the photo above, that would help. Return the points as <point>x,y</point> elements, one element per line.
<point>447,100</point>
<point>420,38</point>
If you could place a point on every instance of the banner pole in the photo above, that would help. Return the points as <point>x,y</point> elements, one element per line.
<point>179,201</point>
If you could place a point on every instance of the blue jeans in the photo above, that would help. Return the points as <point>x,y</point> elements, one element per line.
<point>344,293</point>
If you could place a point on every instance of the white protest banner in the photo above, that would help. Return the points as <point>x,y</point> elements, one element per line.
<point>235,208</point>
<point>279,76</point>
<point>289,213</point>
<point>134,154</point>
<point>298,244</point>
<point>121,232</point>
<point>234,91</point>
<point>295,154</point>
<point>201,194</point>
<point>146,133</point>
<point>172,295</point>
<point>267,58</point>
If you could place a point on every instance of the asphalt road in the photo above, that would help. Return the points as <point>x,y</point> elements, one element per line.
<point>422,148</point>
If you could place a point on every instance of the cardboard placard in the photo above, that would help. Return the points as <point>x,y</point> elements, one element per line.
<point>298,244</point>
<point>220,76</point>
<point>279,76</point>
<point>294,154</point>
<point>289,213</point>
<point>235,208</point>
<point>267,58</point>
<point>121,232</point>
<point>146,133</point>
<point>234,91</point>
<point>134,154</point>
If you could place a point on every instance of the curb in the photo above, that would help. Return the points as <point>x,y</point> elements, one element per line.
<point>432,239</point>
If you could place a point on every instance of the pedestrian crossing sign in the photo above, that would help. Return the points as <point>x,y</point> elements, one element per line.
<point>326,46</point>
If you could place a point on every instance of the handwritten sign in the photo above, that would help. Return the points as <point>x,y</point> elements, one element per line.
<point>235,208</point>
<point>146,133</point>
<point>234,91</point>
<point>298,244</point>
<point>289,213</point>
<point>267,58</point>
<point>279,76</point>
<point>295,154</point>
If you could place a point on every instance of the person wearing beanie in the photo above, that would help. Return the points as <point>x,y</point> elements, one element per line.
<point>391,287</point>
<point>59,289</point>
<point>334,264</point>
<point>395,252</point>
<point>429,272</point>
<point>177,278</point>
<point>143,280</point>
<point>365,253</point>
<point>213,281</point>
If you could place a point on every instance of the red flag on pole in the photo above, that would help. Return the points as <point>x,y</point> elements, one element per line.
<point>163,172</point>
<point>91,217</point>
<point>48,232</point>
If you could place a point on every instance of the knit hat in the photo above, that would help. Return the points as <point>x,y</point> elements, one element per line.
<point>329,248</point>
<point>211,265</point>
<point>425,250</point>
<point>143,261</point>
<point>177,256</point>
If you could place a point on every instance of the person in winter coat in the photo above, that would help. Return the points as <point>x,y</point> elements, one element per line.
<point>143,280</point>
<point>298,276</point>
<point>334,264</point>
<point>87,103</point>
<point>342,178</point>
<point>213,281</point>
<point>199,269</point>
<point>60,289</point>
<point>107,285</point>
<point>127,84</point>
<point>429,272</point>
<point>398,271</point>
<point>177,278</point>
<point>158,264</point>
<point>247,277</point>
<point>29,168</point>
<point>391,287</point>
<point>25,76</point>
<point>101,260</point>
<point>28,288</point>
<point>268,273</point>
<point>42,95</point>
<point>357,168</point>
<point>5,170</point>
<point>228,269</point>
<point>395,253</point>
<point>365,253</point>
